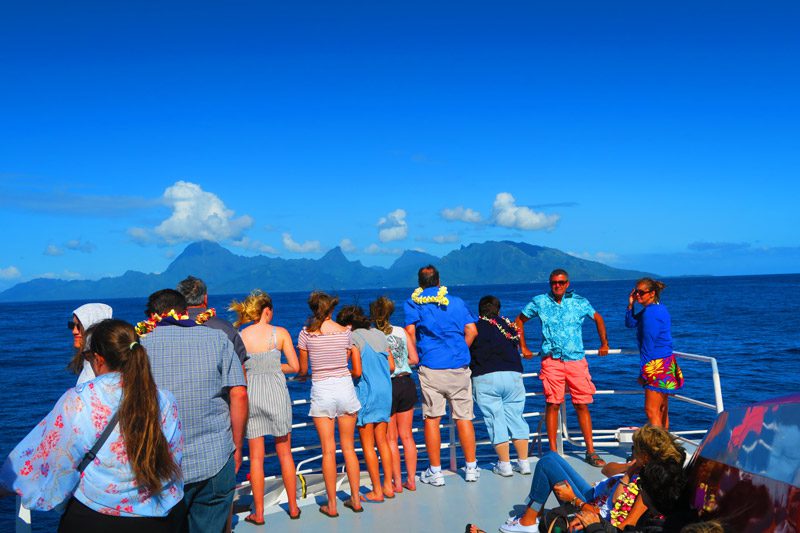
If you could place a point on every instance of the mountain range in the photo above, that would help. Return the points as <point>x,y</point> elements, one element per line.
<point>488,263</point>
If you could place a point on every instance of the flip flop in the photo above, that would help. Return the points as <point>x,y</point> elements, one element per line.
<point>326,513</point>
<point>296,516</point>
<point>594,459</point>
<point>250,520</point>
<point>349,505</point>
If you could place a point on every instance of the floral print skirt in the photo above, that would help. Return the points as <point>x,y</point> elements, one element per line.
<point>662,375</point>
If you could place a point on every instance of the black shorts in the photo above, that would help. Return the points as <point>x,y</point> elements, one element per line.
<point>80,518</point>
<point>404,394</point>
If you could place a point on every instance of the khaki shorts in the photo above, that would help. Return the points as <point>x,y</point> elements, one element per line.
<point>440,386</point>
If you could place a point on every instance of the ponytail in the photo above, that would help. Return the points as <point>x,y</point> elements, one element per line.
<point>322,306</point>
<point>381,310</point>
<point>147,448</point>
<point>655,286</point>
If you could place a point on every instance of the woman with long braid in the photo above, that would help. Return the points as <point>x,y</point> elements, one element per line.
<point>134,482</point>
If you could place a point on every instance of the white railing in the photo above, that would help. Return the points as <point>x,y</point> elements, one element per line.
<point>603,437</point>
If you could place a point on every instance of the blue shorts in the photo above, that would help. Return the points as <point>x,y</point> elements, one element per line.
<point>501,398</point>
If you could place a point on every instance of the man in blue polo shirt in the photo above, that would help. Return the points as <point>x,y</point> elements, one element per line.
<point>564,364</point>
<point>443,329</point>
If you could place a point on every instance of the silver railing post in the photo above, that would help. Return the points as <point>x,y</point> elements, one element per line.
<point>561,424</point>
<point>717,385</point>
<point>23,518</point>
<point>451,427</point>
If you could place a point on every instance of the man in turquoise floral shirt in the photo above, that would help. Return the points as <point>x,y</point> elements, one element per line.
<point>564,364</point>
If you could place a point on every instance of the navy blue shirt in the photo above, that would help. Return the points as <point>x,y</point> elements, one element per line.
<point>491,351</point>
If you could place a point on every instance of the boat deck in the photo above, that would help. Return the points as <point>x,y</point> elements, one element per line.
<point>487,503</point>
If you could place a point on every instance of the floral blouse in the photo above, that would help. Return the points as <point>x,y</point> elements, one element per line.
<point>42,468</point>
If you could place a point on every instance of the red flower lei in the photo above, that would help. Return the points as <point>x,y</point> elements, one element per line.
<point>146,326</point>
<point>514,337</point>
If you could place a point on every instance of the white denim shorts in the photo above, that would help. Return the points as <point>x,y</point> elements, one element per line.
<point>333,397</point>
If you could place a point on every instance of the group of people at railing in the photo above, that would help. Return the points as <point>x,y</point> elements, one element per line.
<point>227,384</point>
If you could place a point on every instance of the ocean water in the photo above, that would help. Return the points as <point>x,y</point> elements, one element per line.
<point>749,324</point>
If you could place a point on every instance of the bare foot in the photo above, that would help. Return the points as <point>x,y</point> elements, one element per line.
<point>397,488</point>
<point>388,492</point>
<point>472,528</point>
<point>410,485</point>
<point>374,496</point>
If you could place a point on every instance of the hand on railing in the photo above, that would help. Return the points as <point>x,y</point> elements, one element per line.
<point>603,350</point>
<point>526,353</point>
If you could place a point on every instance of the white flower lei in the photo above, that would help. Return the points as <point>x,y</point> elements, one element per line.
<point>439,299</point>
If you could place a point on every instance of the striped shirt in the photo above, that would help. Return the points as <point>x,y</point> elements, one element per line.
<point>327,353</point>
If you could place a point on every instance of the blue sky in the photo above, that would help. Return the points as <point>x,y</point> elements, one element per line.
<point>653,136</point>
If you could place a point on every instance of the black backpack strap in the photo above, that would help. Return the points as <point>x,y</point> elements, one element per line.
<point>91,454</point>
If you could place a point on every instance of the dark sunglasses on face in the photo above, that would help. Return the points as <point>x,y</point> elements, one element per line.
<point>639,292</point>
<point>558,282</point>
<point>72,325</point>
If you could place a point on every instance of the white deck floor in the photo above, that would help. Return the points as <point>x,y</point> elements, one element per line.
<point>487,503</point>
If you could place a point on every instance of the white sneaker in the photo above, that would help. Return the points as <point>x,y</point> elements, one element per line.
<point>503,469</point>
<point>522,466</point>
<point>432,478</point>
<point>512,525</point>
<point>472,474</point>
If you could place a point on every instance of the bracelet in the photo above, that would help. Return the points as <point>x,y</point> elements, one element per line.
<point>575,499</point>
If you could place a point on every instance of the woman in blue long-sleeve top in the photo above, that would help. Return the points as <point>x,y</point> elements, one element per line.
<point>659,374</point>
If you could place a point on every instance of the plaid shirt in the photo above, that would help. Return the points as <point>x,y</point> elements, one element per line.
<point>198,365</point>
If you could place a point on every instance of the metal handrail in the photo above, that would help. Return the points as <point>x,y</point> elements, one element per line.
<point>23,516</point>
<point>717,406</point>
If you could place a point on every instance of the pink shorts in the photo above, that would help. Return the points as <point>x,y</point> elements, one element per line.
<point>556,375</point>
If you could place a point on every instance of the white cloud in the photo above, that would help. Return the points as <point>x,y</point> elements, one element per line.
<point>600,257</point>
<point>347,245</point>
<point>247,243</point>
<point>507,214</point>
<point>442,239</point>
<point>197,214</point>
<point>53,250</point>
<point>393,227</point>
<point>80,246</point>
<point>66,275</point>
<point>307,247</point>
<point>374,249</point>
<point>461,213</point>
<point>11,272</point>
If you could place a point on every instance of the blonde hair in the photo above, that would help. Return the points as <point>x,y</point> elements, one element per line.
<point>251,308</point>
<point>381,310</point>
<point>658,444</point>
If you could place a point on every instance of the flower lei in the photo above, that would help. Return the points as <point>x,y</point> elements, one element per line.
<point>439,299</point>
<point>514,337</point>
<point>146,326</point>
<point>624,503</point>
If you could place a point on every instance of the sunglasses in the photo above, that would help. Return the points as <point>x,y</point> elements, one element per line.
<point>639,292</point>
<point>559,282</point>
<point>72,325</point>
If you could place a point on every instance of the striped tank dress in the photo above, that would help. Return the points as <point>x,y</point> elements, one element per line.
<point>270,407</point>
